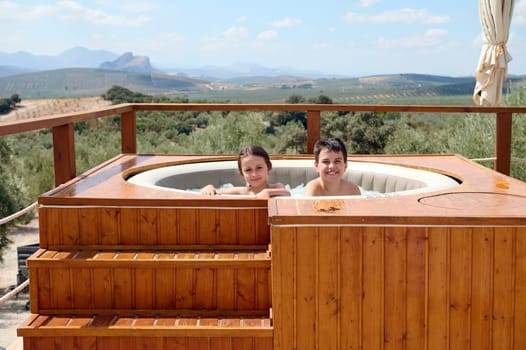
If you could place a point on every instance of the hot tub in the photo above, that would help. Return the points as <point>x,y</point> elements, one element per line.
<point>377,178</point>
<point>442,268</point>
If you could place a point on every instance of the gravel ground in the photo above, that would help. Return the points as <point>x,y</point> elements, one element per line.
<point>14,312</point>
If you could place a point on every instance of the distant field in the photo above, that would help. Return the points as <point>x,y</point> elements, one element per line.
<point>381,89</point>
<point>33,108</point>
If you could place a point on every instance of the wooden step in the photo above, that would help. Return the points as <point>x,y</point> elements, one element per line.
<point>86,281</point>
<point>63,227</point>
<point>155,332</point>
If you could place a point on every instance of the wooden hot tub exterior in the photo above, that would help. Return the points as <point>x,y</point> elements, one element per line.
<point>127,267</point>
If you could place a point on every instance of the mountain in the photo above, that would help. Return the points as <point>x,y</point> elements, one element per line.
<point>247,72</point>
<point>130,63</point>
<point>6,71</point>
<point>76,57</point>
<point>73,82</point>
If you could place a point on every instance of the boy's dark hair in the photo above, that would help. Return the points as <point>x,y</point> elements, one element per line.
<point>253,150</point>
<point>332,144</point>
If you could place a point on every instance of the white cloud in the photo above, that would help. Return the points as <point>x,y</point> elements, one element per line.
<point>235,33</point>
<point>519,13</point>
<point>267,35</point>
<point>73,10</point>
<point>368,3</point>
<point>69,10</point>
<point>286,22</point>
<point>128,6</point>
<point>10,10</point>
<point>406,15</point>
<point>432,37</point>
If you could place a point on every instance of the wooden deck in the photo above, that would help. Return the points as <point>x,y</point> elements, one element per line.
<point>125,266</point>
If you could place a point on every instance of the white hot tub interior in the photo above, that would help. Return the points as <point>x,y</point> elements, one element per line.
<point>387,179</point>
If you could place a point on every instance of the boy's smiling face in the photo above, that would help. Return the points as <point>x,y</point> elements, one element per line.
<point>330,165</point>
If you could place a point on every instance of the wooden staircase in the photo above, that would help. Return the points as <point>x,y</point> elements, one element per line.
<point>146,277</point>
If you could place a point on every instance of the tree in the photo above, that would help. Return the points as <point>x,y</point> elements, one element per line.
<point>363,133</point>
<point>10,197</point>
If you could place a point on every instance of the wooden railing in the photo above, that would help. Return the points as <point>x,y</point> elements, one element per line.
<point>64,140</point>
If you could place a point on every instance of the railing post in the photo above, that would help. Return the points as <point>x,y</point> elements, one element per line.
<point>313,129</point>
<point>503,142</point>
<point>128,132</point>
<point>64,153</point>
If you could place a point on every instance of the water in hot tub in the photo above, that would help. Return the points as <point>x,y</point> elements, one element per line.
<point>297,191</point>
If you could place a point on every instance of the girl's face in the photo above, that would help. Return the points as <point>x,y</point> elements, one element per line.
<point>255,171</point>
<point>330,165</point>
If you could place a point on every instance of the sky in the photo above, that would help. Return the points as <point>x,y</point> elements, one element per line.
<point>344,37</point>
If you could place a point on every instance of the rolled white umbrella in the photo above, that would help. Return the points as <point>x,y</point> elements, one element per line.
<point>495,18</point>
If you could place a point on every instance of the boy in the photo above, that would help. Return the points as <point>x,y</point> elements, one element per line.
<point>330,161</point>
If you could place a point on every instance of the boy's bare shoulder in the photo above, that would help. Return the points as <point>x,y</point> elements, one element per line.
<point>313,187</point>
<point>350,188</point>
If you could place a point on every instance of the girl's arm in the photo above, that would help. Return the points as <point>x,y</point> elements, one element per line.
<point>273,191</point>
<point>210,190</point>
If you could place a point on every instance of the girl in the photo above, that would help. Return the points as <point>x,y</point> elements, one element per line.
<point>254,165</point>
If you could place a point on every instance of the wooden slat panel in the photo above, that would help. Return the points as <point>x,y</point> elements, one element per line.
<point>416,288</point>
<point>460,287</point>
<point>108,343</point>
<point>395,287</point>
<point>263,290</point>
<point>129,226</point>
<point>184,288</point>
<point>246,295</point>
<point>147,226</point>
<point>81,288</point>
<point>261,226</point>
<point>482,287</point>
<point>503,291</point>
<point>61,296</point>
<point>153,226</point>
<point>226,289</point>
<point>373,285</point>
<point>176,343</point>
<point>205,283</point>
<point>519,325</point>
<point>208,224</point>
<point>283,288</point>
<point>44,291</point>
<point>164,288</point>
<point>148,343</point>
<point>328,288</point>
<point>306,290</point>
<point>144,284</point>
<point>167,225</point>
<point>89,228</point>
<point>187,221</point>
<point>103,288</point>
<point>351,287</point>
<point>438,288</point>
<point>86,343</point>
<point>124,288</point>
<point>69,224</point>
<point>228,222</point>
<point>110,225</point>
<point>248,227</point>
<point>49,227</point>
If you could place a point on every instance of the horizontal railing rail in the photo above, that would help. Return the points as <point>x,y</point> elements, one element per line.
<point>62,125</point>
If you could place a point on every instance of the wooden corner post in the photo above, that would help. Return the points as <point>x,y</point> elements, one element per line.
<point>503,142</point>
<point>64,153</point>
<point>313,129</point>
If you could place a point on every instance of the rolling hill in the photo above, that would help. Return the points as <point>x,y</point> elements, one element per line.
<point>391,88</point>
<point>71,82</point>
